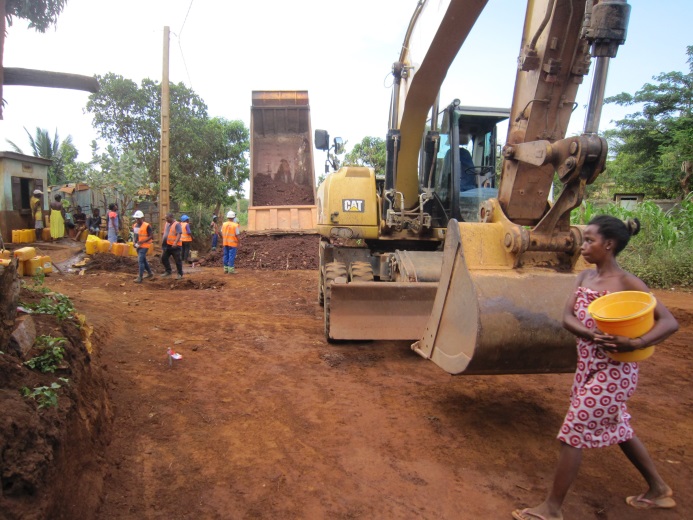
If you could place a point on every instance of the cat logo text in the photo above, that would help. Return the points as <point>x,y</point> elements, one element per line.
<point>353,205</point>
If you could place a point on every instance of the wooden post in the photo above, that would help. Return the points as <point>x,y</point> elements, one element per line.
<point>164,194</point>
<point>3,13</point>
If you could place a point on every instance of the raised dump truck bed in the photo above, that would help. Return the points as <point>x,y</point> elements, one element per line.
<point>282,180</point>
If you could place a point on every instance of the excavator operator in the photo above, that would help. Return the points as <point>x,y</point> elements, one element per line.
<point>467,172</point>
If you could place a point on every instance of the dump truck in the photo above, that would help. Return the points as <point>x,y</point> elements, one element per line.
<point>478,275</point>
<point>282,179</point>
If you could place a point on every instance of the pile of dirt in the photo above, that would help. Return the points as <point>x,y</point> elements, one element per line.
<point>274,192</point>
<point>271,252</point>
<point>115,264</point>
<point>52,452</point>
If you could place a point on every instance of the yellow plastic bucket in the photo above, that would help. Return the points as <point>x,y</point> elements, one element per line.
<point>25,253</point>
<point>625,313</point>
<point>33,266</point>
<point>104,246</point>
<point>46,264</point>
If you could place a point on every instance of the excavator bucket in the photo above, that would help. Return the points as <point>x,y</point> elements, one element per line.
<point>379,310</point>
<point>496,321</point>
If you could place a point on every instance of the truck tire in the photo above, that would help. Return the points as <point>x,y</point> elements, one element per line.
<point>333,270</point>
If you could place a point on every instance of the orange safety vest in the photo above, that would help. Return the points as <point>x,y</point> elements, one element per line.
<point>142,235</point>
<point>228,232</point>
<point>171,238</point>
<point>185,235</point>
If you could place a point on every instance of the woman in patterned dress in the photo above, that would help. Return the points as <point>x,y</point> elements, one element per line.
<point>597,416</point>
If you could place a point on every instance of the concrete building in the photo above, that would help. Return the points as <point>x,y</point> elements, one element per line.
<point>20,175</point>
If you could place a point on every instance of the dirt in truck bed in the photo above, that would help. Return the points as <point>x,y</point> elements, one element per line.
<point>276,192</point>
<point>262,418</point>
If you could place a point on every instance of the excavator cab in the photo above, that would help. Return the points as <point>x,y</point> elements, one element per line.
<point>464,180</point>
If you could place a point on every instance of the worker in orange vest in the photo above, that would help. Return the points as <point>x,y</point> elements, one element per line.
<point>171,246</point>
<point>230,235</point>
<point>144,237</point>
<point>186,238</point>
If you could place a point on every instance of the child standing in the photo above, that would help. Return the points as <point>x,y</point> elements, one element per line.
<point>604,421</point>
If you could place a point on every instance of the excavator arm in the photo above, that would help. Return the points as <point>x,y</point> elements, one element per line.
<point>435,35</point>
<point>498,307</point>
<point>559,39</point>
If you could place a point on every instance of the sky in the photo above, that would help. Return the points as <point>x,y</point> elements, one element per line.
<point>341,52</point>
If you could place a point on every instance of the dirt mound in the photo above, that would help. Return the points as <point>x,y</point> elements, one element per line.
<point>273,192</point>
<point>112,263</point>
<point>271,252</point>
<point>48,452</point>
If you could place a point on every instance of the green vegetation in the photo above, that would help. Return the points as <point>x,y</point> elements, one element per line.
<point>53,303</point>
<point>662,253</point>
<point>210,158</point>
<point>653,148</point>
<point>45,396</point>
<point>61,153</point>
<point>52,352</point>
<point>37,285</point>
<point>369,152</point>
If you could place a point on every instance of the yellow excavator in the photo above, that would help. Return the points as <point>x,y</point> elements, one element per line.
<point>477,274</point>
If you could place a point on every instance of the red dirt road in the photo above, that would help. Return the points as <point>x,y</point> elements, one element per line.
<point>263,419</point>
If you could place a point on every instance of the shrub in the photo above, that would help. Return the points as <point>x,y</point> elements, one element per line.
<point>662,253</point>
<point>52,352</point>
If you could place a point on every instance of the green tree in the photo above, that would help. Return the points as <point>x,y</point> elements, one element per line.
<point>369,152</point>
<point>119,176</point>
<point>61,153</point>
<point>654,146</point>
<point>41,14</point>
<point>207,157</point>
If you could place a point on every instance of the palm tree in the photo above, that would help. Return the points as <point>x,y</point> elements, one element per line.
<point>43,146</point>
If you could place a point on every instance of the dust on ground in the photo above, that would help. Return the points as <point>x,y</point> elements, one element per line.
<point>261,418</point>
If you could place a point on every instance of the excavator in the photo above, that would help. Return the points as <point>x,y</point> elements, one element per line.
<point>476,273</point>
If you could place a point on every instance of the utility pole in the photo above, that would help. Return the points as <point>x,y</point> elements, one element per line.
<point>164,194</point>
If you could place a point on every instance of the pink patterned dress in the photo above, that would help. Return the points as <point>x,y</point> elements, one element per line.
<point>597,415</point>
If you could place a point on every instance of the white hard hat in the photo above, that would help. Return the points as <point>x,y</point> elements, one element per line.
<point>231,214</point>
<point>138,214</point>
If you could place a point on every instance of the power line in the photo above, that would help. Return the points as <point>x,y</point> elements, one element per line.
<point>180,46</point>
<point>186,17</point>
<point>182,55</point>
